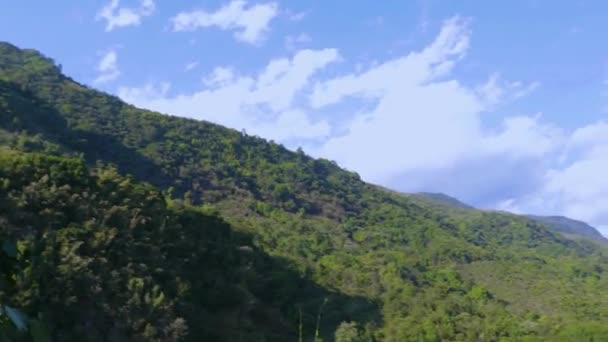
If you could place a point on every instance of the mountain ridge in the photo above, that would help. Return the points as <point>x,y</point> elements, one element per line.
<point>571,228</point>
<point>397,269</point>
<point>568,226</point>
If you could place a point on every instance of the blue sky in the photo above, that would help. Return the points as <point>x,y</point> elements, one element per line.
<point>501,104</point>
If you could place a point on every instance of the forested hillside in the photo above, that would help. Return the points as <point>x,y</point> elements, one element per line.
<point>141,226</point>
<point>571,228</point>
<point>567,227</point>
<point>121,262</point>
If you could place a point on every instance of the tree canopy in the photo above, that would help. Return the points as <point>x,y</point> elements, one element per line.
<point>136,225</point>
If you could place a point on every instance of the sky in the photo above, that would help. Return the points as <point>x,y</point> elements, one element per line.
<point>503,105</point>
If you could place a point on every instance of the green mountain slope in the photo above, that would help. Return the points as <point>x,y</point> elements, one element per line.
<point>121,263</point>
<point>571,228</point>
<point>332,248</point>
<point>442,199</point>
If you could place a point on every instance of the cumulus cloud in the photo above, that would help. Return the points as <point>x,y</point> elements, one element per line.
<point>524,136</point>
<point>406,128</point>
<point>422,119</point>
<point>577,187</point>
<point>421,129</point>
<point>590,135</point>
<point>250,22</point>
<point>263,104</point>
<point>418,67</point>
<point>107,68</point>
<point>116,16</point>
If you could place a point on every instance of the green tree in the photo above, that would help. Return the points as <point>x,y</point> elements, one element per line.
<point>348,332</point>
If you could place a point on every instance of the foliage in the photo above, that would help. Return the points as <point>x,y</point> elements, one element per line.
<point>90,249</point>
<point>217,235</point>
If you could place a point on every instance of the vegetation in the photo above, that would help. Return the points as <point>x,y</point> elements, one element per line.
<point>141,226</point>
<point>120,262</point>
<point>571,228</point>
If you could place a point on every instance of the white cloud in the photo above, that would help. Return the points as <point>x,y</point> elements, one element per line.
<point>590,135</point>
<point>107,68</point>
<point>407,129</point>
<point>147,92</point>
<point>496,90</point>
<point>250,22</point>
<point>421,129</point>
<point>524,136</point>
<point>416,68</point>
<point>220,76</point>
<point>293,123</point>
<point>263,104</point>
<point>422,120</point>
<point>116,16</point>
<point>191,66</point>
<point>294,41</point>
<point>295,16</point>
<point>577,188</point>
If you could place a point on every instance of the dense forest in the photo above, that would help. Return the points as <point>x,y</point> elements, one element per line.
<point>121,224</point>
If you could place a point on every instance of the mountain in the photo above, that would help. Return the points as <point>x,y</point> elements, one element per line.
<point>106,272</point>
<point>442,199</point>
<point>571,228</point>
<point>136,225</point>
<point>568,227</point>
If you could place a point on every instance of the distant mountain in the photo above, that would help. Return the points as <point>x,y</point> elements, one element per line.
<point>568,227</point>
<point>571,228</point>
<point>443,199</point>
<point>123,224</point>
